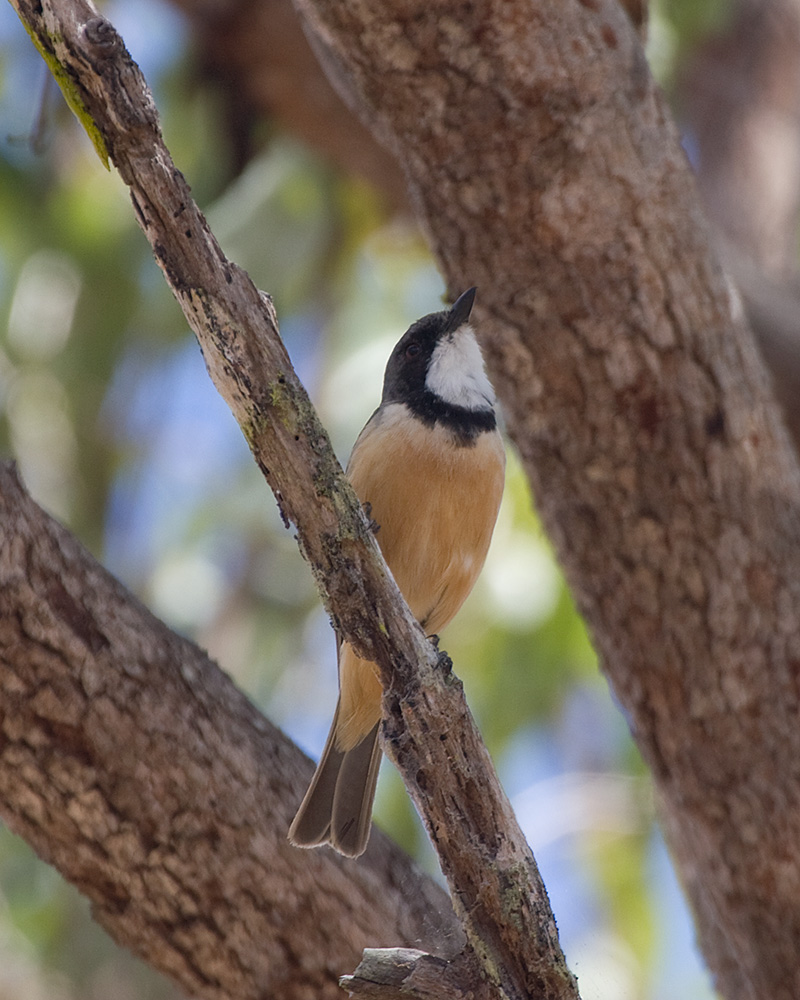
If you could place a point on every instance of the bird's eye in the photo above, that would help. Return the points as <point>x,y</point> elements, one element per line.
<point>413,350</point>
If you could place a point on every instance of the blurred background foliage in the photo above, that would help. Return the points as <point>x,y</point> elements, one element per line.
<point>107,408</point>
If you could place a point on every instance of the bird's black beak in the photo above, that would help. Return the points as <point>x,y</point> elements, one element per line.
<point>460,310</point>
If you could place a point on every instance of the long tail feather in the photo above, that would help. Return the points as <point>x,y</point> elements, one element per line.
<point>337,807</point>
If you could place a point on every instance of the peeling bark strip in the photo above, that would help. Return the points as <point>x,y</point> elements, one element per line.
<point>131,762</point>
<point>511,934</point>
<point>544,162</point>
<point>402,973</point>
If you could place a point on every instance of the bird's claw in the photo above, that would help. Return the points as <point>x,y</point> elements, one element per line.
<point>444,663</point>
<point>374,527</point>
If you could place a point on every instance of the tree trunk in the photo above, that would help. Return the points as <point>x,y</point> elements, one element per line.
<point>548,173</point>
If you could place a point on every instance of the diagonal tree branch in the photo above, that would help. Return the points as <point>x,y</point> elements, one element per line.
<point>498,893</point>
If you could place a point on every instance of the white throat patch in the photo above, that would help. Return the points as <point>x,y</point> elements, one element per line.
<point>456,373</point>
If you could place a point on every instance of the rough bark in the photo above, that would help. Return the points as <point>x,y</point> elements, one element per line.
<point>548,172</point>
<point>511,935</point>
<point>132,763</point>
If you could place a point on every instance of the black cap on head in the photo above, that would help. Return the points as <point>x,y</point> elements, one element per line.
<point>408,364</point>
<point>405,380</point>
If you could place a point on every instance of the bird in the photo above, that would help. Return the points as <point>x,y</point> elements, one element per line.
<point>429,467</point>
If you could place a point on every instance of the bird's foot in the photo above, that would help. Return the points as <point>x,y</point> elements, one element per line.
<point>374,527</point>
<point>444,663</point>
